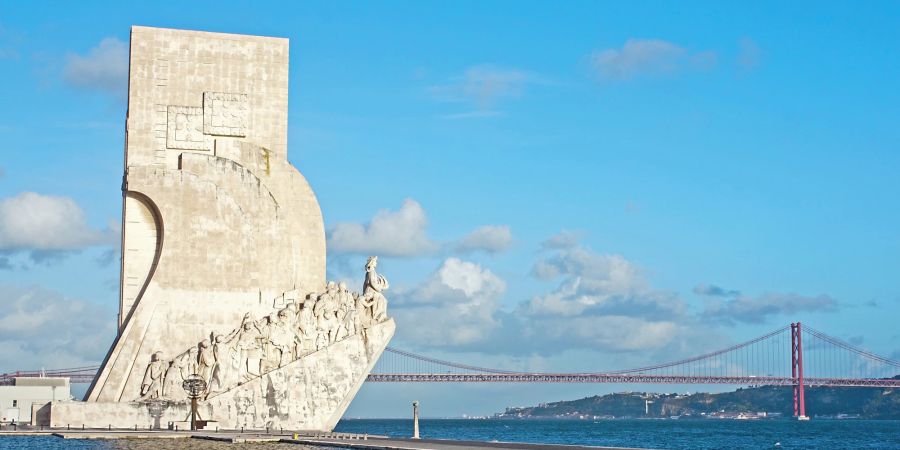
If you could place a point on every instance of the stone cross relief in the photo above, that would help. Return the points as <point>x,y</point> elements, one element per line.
<point>257,347</point>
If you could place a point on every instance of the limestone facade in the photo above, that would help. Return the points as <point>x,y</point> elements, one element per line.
<point>220,231</point>
<point>309,394</point>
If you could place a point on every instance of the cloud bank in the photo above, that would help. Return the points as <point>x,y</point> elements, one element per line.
<point>404,233</point>
<point>489,238</point>
<point>46,226</point>
<point>647,57</point>
<point>602,303</point>
<point>483,88</point>
<point>747,309</point>
<point>43,328</point>
<point>389,233</point>
<point>454,306</point>
<point>104,68</point>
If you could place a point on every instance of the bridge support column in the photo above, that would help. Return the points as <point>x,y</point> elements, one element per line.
<point>797,372</point>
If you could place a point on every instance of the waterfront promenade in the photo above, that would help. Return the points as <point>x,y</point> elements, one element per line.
<point>331,440</point>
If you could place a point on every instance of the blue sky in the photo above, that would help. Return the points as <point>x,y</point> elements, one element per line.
<point>576,186</point>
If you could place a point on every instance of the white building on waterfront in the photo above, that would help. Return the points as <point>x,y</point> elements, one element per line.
<point>28,399</point>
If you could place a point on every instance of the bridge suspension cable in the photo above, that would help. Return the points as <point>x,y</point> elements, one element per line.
<point>767,359</point>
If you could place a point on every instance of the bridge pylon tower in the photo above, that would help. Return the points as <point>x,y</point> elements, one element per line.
<point>797,372</point>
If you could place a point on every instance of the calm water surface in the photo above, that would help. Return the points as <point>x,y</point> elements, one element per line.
<point>671,434</point>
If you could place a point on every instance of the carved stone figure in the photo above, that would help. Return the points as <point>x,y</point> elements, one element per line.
<point>347,311</point>
<point>373,287</point>
<point>223,371</point>
<point>292,318</point>
<point>363,313</point>
<point>207,362</point>
<point>247,342</point>
<point>319,306</point>
<point>152,385</point>
<point>191,363</point>
<point>283,339</point>
<point>271,355</point>
<point>326,311</point>
<point>258,347</point>
<point>307,327</point>
<point>172,389</point>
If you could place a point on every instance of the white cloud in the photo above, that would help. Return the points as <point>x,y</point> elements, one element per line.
<point>599,285</point>
<point>104,68</point>
<point>744,308</point>
<point>647,57</point>
<point>603,302</point>
<point>389,233</point>
<point>730,305</point>
<point>45,225</point>
<point>489,238</point>
<point>482,87</point>
<point>613,332</point>
<point>43,328</point>
<point>455,306</point>
<point>711,290</point>
<point>403,233</point>
<point>562,240</point>
<point>613,271</point>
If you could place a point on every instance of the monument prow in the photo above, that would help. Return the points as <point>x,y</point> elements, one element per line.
<point>223,253</point>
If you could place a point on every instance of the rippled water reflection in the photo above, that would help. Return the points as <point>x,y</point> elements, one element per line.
<point>671,434</point>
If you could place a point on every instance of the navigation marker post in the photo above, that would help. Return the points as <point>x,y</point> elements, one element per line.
<point>415,420</point>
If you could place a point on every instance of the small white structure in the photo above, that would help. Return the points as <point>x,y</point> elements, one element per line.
<point>28,399</point>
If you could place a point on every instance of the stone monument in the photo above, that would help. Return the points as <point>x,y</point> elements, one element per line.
<point>223,254</point>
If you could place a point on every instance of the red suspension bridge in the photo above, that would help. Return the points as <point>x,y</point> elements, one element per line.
<point>793,355</point>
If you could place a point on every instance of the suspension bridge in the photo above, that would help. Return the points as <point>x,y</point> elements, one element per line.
<point>794,355</point>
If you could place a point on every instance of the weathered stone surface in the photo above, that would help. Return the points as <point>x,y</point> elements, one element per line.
<point>317,388</point>
<point>120,415</point>
<point>224,114</point>
<point>207,237</point>
<point>220,231</point>
<point>184,128</point>
<point>308,394</point>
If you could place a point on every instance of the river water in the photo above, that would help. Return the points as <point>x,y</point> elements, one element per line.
<point>671,434</point>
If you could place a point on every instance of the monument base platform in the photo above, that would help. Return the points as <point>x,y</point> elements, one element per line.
<point>310,394</point>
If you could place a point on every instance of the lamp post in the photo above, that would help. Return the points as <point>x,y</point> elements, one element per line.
<point>195,386</point>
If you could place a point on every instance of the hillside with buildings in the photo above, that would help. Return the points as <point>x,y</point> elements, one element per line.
<point>754,402</point>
